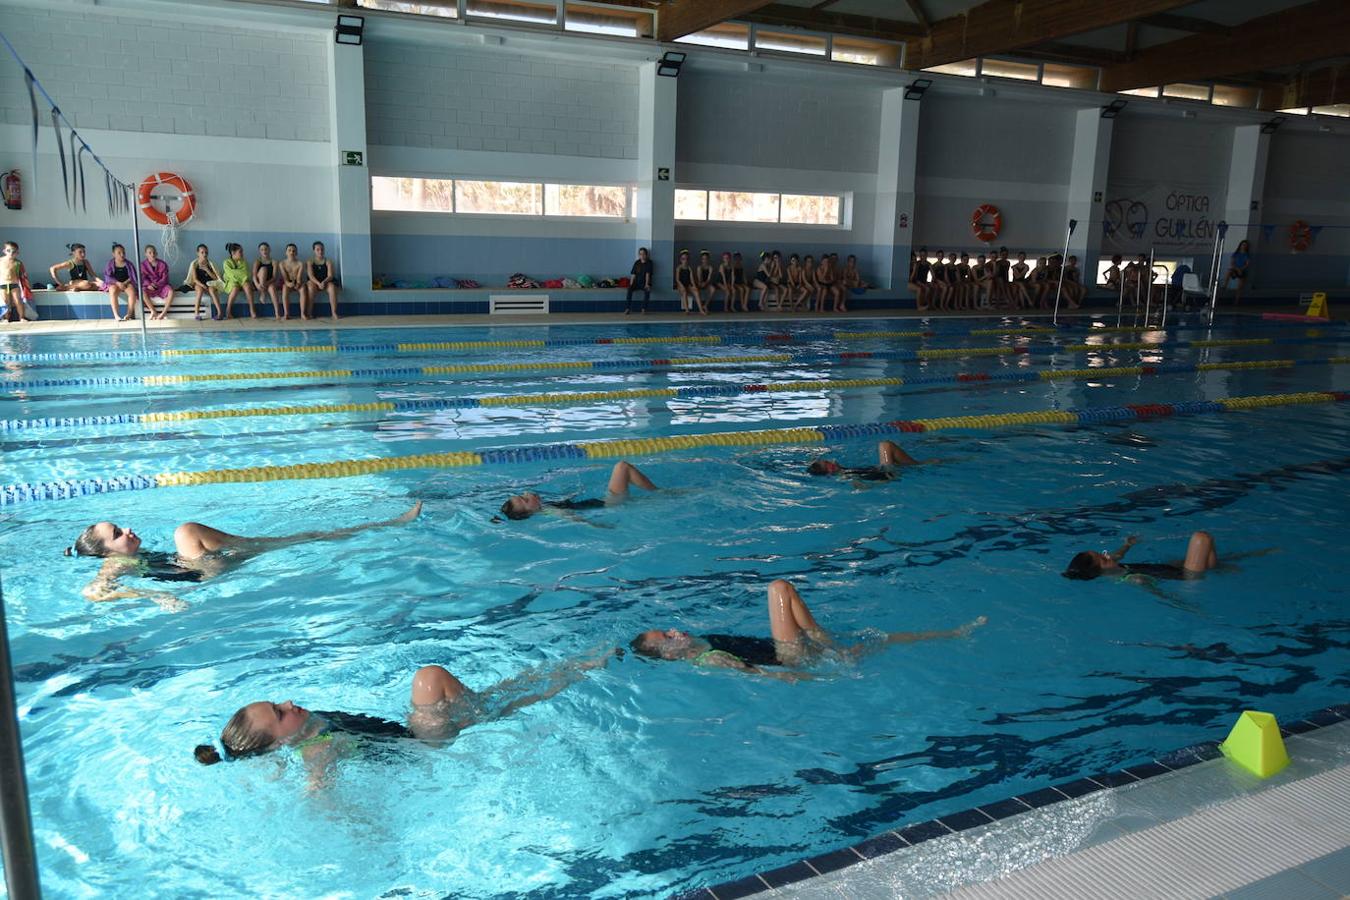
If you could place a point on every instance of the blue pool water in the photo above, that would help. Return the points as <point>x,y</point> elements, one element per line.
<point>645,779</point>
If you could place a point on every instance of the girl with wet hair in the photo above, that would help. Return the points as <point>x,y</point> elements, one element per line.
<point>1200,558</point>
<point>201,552</point>
<point>78,270</point>
<point>797,641</point>
<point>441,707</point>
<point>292,279</point>
<point>119,275</point>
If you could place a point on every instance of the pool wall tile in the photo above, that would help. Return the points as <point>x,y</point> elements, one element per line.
<point>834,860</point>
<point>970,818</point>
<point>1042,797</point>
<point>881,844</point>
<point>1004,808</point>
<point>1113,779</point>
<point>924,831</point>
<point>743,887</point>
<point>798,871</point>
<point>1079,787</point>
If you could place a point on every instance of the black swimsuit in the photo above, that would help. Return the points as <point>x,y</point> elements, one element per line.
<point>203,275</point>
<point>80,272</point>
<point>754,651</point>
<point>1158,570</point>
<point>870,473</point>
<point>163,566</point>
<point>268,267</point>
<point>121,274</point>
<point>320,271</point>
<point>591,503</point>
<point>685,276</point>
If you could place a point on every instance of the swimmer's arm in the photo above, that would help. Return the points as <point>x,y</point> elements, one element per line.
<point>1124,548</point>
<point>572,516</point>
<point>106,587</point>
<point>718,660</point>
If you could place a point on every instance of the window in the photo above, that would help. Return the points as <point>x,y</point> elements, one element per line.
<point>592,200</point>
<point>1229,95</point>
<point>809,209</point>
<point>608,20</point>
<point>966,67</point>
<point>421,9</point>
<point>1294,111</point>
<point>789,42</point>
<point>1080,77</point>
<point>728,34</point>
<point>863,52</point>
<point>1338,109</point>
<point>1141,92</point>
<point>412,194</point>
<point>503,198</point>
<point>691,204</point>
<point>1002,68</point>
<point>752,206</point>
<point>535,13</point>
<point>1187,91</point>
<point>742,206</point>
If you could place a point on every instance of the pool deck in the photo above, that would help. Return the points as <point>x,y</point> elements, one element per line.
<point>237,325</point>
<point>1208,830</point>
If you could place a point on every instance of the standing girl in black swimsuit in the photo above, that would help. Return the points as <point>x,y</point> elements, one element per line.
<point>322,274</point>
<point>918,279</point>
<point>292,279</point>
<point>724,281</point>
<point>264,279</point>
<point>738,279</point>
<point>203,276</point>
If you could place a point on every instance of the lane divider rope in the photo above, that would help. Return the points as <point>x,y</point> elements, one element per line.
<point>804,358</point>
<point>771,338</point>
<point>12,494</point>
<point>714,390</point>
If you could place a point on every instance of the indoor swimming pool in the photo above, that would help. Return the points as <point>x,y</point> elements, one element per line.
<point>647,778</point>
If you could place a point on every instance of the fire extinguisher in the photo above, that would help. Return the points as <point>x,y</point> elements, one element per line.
<point>13,189</point>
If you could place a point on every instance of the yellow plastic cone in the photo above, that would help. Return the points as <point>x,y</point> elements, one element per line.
<point>1256,745</point>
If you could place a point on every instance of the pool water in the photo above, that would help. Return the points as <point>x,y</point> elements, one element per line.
<point>644,779</point>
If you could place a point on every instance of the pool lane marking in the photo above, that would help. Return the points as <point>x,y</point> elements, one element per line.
<point>692,391</point>
<point>799,359</point>
<point>1029,331</point>
<point>12,494</point>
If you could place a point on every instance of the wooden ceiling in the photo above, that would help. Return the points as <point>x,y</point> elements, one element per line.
<point>1297,50</point>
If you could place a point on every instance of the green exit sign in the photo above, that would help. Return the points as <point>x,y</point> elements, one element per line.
<point>353,158</point>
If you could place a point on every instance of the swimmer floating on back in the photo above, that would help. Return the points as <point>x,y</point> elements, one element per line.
<point>889,457</point>
<point>202,552</point>
<point>797,641</point>
<point>522,506</point>
<point>1200,558</point>
<point>441,708</point>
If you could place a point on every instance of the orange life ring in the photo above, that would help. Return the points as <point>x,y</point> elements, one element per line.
<point>983,230</point>
<point>146,194</point>
<point>1300,236</point>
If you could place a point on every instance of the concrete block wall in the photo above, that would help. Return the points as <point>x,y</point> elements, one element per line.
<point>1011,154</point>
<point>1308,179</point>
<point>218,81</point>
<point>731,118</point>
<point>452,98</point>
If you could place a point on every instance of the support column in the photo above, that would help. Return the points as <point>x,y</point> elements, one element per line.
<point>1246,184</point>
<point>1087,189</point>
<point>654,211</point>
<point>897,165</point>
<point>351,183</point>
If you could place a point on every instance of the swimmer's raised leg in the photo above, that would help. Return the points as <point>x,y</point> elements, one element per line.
<point>622,476</point>
<point>890,453</point>
<point>194,540</point>
<point>1201,555</point>
<point>791,622</point>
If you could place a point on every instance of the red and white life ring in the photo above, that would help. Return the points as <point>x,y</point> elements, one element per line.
<point>145,197</point>
<point>986,231</point>
<point>1300,236</point>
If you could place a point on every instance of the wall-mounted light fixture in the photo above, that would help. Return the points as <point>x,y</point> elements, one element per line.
<point>669,64</point>
<point>1273,125</point>
<point>914,90</point>
<point>350,30</point>
<point>1112,109</point>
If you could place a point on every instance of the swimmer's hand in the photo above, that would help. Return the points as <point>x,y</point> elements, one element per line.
<point>166,601</point>
<point>966,629</point>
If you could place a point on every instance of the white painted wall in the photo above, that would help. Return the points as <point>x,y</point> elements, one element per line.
<point>1307,178</point>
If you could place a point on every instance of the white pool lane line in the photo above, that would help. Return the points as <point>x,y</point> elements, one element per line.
<point>1200,832</point>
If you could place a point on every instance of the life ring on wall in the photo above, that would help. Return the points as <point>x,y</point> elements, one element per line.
<point>1300,236</point>
<point>145,196</point>
<point>986,231</point>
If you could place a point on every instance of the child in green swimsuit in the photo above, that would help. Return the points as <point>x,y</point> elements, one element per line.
<point>237,278</point>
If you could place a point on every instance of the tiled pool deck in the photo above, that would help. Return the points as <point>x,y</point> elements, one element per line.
<point>1189,824</point>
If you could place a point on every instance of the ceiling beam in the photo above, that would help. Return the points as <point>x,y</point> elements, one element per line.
<point>1001,26</point>
<point>1185,23</point>
<point>1301,34</point>
<point>1071,53</point>
<point>1319,87</point>
<point>681,17</point>
<point>916,7</point>
<point>783,15</point>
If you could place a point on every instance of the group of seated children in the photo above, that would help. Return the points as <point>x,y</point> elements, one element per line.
<point>274,279</point>
<point>947,281</point>
<point>798,284</point>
